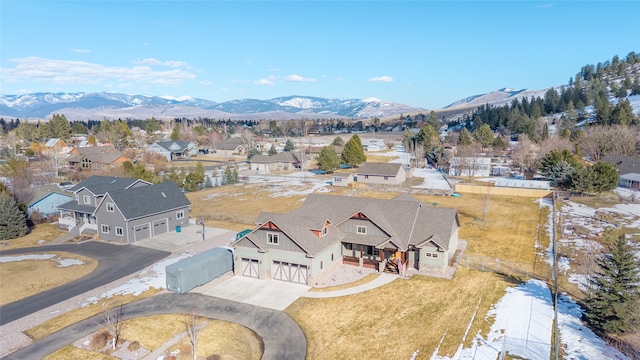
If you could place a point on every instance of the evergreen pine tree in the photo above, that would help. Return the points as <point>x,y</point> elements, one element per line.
<point>337,141</point>
<point>353,153</point>
<point>253,152</point>
<point>484,136</point>
<point>234,175</point>
<point>13,223</point>
<point>465,137</point>
<point>272,150</point>
<point>328,160</point>
<point>289,146</point>
<point>614,296</point>
<point>605,177</point>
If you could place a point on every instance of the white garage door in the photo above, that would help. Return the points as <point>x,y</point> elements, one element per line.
<point>249,267</point>
<point>285,271</point>
<point>142,232</point>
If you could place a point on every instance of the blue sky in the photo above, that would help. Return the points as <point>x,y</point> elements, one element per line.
<point>421,53</point>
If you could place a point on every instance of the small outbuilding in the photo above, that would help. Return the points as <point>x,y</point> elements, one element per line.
<point>199,269</point>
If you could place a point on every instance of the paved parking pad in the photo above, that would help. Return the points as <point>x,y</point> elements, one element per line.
<point>272,294</point>
<point>189,236</point>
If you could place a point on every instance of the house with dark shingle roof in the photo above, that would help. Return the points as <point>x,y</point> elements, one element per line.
<point>135,209</point>
<point>174,149</point>
<point>377,233</point>
<point>285,160</point>
<point>382,173</point>
<point>624,164</point>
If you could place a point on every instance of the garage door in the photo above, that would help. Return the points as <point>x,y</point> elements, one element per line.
<point>249,267</point>
<point>142,232</point>
<point>285,271</point>
<point>160,226</point>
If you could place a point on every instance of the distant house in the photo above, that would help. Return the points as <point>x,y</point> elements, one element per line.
<point>45,200</point>
<point>95,158</point>
<point>372,145</point>
<point>286,160</point>
<point>298,245</point>
<point>342,179</point>
<point>174,149</point>
<point>124,210</point>
<point>233,146</point>
<point>382,173</point>
<point>624,164</point>
<point>470,166</point>
<point>56,147</point>
<point>630,181</point>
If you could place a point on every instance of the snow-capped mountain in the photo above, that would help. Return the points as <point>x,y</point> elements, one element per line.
<point>497,98</point>
<point>82,106</point>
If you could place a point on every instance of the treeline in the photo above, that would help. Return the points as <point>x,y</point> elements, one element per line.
<point>593,86</point>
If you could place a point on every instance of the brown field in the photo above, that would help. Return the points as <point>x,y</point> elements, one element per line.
<point>46,232</point>
<point>71,352</point>
<point>364,280</point>
<point>21,279</point>
<point>393,321</point>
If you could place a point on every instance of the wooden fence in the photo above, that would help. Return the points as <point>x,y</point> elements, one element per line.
<point>505,191</point>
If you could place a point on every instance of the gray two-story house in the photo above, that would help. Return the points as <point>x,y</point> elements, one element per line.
<point>123,209</point>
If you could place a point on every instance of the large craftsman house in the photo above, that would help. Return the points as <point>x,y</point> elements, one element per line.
<point>374,233</point>
<point>174,149</point>
<point>124,210</point>
<point>95,158</point>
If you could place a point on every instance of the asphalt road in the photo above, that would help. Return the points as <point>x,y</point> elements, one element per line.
<point>282,337</point>
<point>114,262</point>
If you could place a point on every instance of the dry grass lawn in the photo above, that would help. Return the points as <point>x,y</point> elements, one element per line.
<point>21,279</point>
<point>71,352</point>
<point>229,340</point>
<point>69,318</point>
<point>46,232</point>
<point>395,320</point>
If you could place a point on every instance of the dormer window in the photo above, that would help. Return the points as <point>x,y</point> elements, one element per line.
<point>360,229</point>
<point>273,238</point>
<point>325,230</point>
<point>86,199</point>
<point>110,207</point>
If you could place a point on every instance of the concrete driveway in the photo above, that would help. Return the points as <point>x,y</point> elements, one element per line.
<point>271,294</point>
<point>189,236</point>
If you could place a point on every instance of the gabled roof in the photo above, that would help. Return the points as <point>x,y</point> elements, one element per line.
<point>625,164</point>
<point>405,220</point>
<point>381,169</point>
<point>175,145</point>
<point>231,144</point>
<point>41,192</point>
<point>136,202</point>
<point>52,142</point>
<point>100,185</point>
<point>281,157</point>
<point>96,154</point>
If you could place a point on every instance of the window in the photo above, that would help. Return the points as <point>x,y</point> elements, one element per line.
<point>360,229</point>
<point>273,238</point>
<point>435,255</point>
<point>386,178</point>
<point>324,231</point>
<point>110,207</point>
<point>119,231</point>
<point>180,215</point>
<point>105,229</point>
<point>428,254</point>
<point>371,250</point>
<point>86,199</point>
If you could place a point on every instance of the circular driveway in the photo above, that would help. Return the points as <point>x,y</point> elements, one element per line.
<point>114,262</point>
<point>282,337</point>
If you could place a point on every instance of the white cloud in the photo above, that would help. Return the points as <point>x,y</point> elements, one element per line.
<point>267,82</point>
<point>81,51</point>
<point>384,78</point>
<point>57,71</point>
<point>156,62</point>
<point>206,82</point>
<point>298,78</point>
<point>545,6</point>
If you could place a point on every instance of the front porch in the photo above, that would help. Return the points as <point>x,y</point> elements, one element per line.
<point>77,223</point>
<point>390,260</point>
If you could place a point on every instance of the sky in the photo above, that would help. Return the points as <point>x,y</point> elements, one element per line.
<point>425,54</point>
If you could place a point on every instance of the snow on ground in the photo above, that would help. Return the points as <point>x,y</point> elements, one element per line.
<point>433,179</point>
<point>62,262</point>
<point>154,276</point>
<point>578,341</point>
<point>522,325</point>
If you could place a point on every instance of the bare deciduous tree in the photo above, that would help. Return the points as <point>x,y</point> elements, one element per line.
<point>597,141</point>
<point>113,324</point>
<point>193,326</point>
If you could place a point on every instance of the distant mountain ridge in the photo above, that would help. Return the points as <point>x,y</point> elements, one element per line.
<point>498,97</point>
<point>96,106</point>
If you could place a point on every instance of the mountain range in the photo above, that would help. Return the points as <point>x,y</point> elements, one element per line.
<point>97,106</point>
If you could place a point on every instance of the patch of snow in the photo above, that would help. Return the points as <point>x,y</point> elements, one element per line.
<point>522,325</point>
<point>579,279</point>
<point>154,276</point>
<point>61,262</point>
<point>433,179</point>
<point>578,341</point>
<point>563,264</point>
<point>69,262</point>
